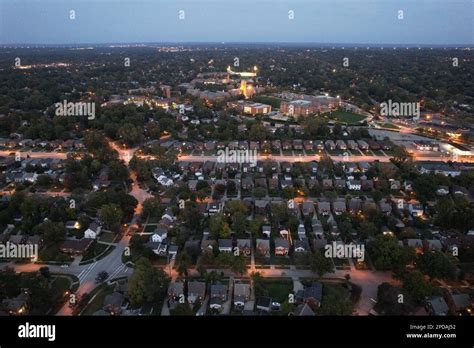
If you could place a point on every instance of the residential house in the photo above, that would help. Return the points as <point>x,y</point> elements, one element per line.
<point>436,305</point>
<point>196,291</point>
<point>416,244</point>
<point>385,206</point>
<point>301,246</point>
<point>341,145</point>
<point>354,205</point>
<point>214,208</point>
<point>225,245</point>
<point>176,292</point>
<point>324,208</point>
<point>75,246</point>
<point>18,305</point>
<point>282,246</point>
<point>354,185</point>
<point>261,206</point>
<point>330,145</point>
<point>218,296</point>
<point>267,304</point>
<point>244,246</point>
<point>459,190</point>
<point>241,294</point>
<point>307,208</point>
<point>395,184</point>
<point>263,247</point>
<point>311,295</point>
<point>93,231</point>
<point>327,184</point>
<point>352,145</point>
<point>339,206</point>
<point>461,303</point>
<point>303,310</point>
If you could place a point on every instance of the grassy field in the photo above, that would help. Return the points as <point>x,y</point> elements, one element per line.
<point>278,289</point>
<point>107,237</point>
<point>390,125</point>
<point>101,292</point>
<point>95,250</point>
<point>345,116</point>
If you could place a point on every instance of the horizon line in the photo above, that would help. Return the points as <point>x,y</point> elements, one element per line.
<point>240,43</point>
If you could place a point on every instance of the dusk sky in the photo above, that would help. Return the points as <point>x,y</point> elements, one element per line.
<point>429,22</point>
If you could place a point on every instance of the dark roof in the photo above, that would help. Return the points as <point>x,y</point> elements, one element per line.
<point>315,291</point>
<point>76,245</point>
<point>264,302</point>
<point>303,310</point>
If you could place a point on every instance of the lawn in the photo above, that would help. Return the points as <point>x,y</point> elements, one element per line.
<point>390,126</point>
<point>59,286</point>
<point>278,289</point>
<point>107,237</point>
<point>95,250</point>
<point>346,117</point>
<point>100,293</point>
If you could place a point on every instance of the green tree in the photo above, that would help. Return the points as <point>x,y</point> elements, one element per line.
<point>389,301</point>
<point>111,214</point>
<point>367,229</point>
<point>239,265</point>
<point>415,284</point>
<point>183,261</point>
<point>182,309</point>
<point>436,264</point>
<point>152,207</point>
<point>219,227</point>
<point>147,283</point>
<point>387,254</point>
<point>335,302</point>
<point>321,264</point>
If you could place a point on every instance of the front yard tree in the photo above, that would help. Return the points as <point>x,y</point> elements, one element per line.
<point>387,254</point>
<point>388,300</point>
<point>436,265</point>
<point>414,283</point>
<point>183,309</point>
<point>147,284</point>
<point>219,227</point>
<point>152,207</point>
<point>183,261</point>
<point>111,214</point>
<point>321,264</point>
<point>238,265</point>
<point>400,154</point>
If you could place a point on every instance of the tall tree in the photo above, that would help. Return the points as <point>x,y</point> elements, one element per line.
<point>147,284</point>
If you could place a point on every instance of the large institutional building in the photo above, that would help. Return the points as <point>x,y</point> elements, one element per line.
<point>304,105</point>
